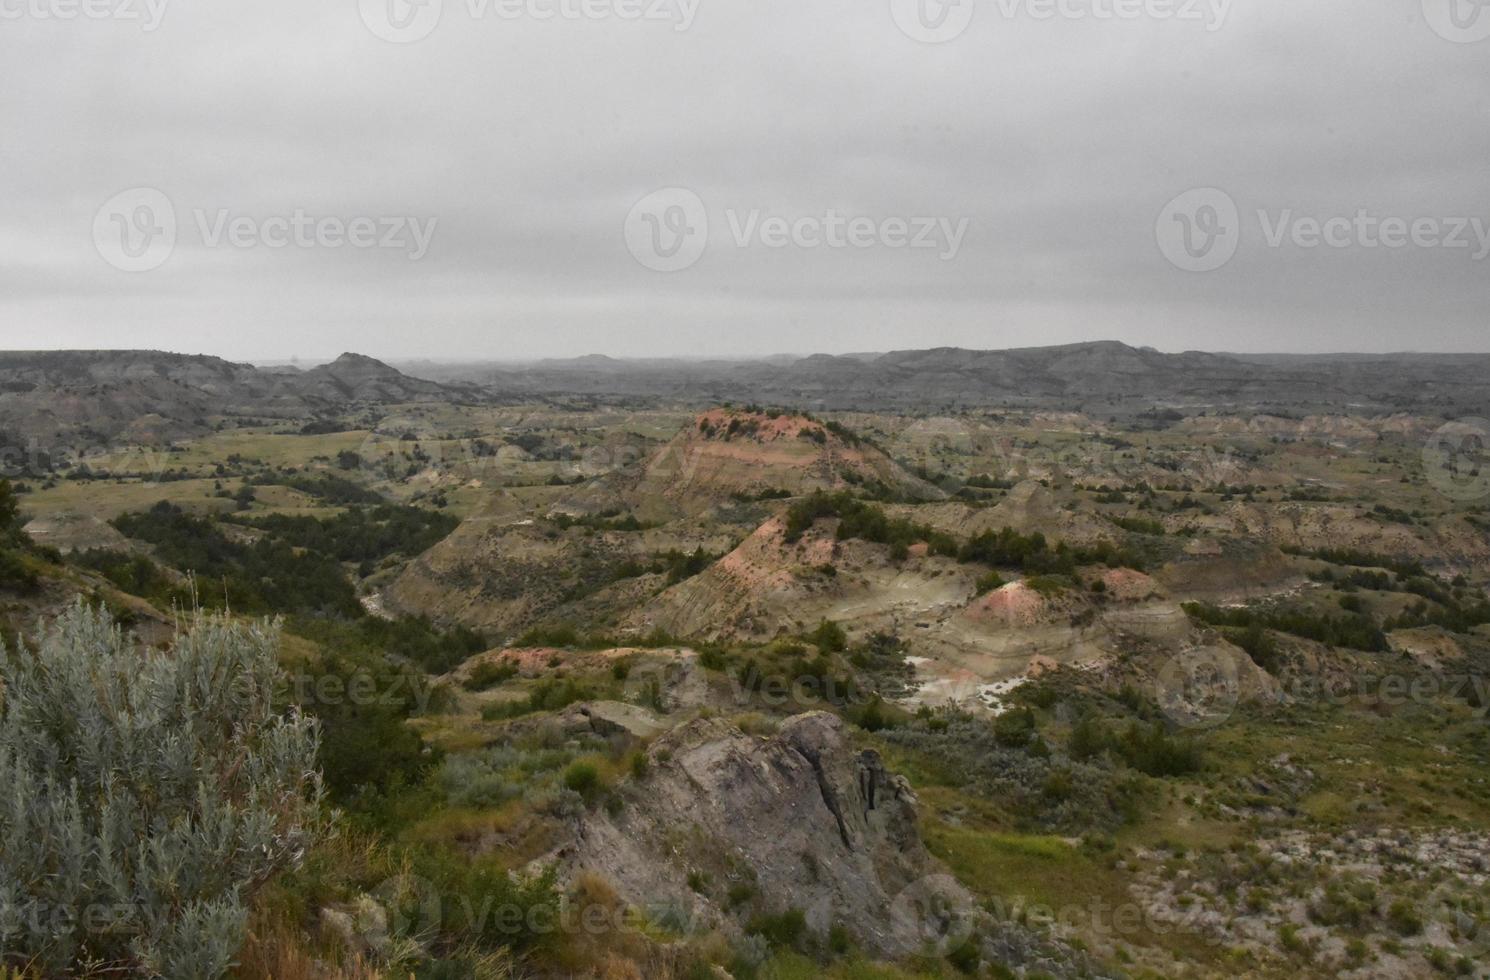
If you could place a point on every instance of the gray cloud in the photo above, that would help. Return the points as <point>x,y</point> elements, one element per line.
<point>1059,141</point>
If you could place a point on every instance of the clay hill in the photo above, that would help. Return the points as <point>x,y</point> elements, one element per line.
<point>708,487</point>
<point>151,396</point>
<point>731,454</point>
<point>771,585</point>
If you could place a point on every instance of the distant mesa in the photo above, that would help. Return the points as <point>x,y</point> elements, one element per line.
<point>105,392</point>
<point>1107,377</point>
<point>52,395</point>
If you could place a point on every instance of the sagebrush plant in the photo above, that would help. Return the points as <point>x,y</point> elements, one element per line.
<point>147,794</point>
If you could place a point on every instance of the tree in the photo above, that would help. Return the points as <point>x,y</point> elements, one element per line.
<point>829,637</point>
<point>14,571</point>
<point>9,509</point>
<point>148,794</point>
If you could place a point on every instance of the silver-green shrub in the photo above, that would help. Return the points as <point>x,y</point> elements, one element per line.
<point>145,795</point>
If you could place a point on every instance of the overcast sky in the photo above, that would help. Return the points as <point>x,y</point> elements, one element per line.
<point>527,150</point>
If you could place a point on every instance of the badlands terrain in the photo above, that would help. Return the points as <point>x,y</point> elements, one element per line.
<point>1087,661</point>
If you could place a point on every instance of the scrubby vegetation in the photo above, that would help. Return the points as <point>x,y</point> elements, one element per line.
<point>263,576</point>
<point>15,572</point>
<point>1010,763</point>
<point>1034,555</point>
<point>368,753</point>
<point>550,694</point>
<point>674,566</point>
<point>360,535</point>
<point>158,790</point>
<point>1402,567</point>
<point>412,639</point>
<point>1007,548</point>
<point>867,522</point>
<point>1352,630</point>
<point>328,487</point>
<point>611,520</point>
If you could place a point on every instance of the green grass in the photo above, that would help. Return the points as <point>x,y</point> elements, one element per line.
<point>1400,754</point>
<point>1036,869</point>
<point>106,499</point>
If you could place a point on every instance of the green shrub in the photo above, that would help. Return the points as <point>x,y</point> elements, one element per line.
<point>14,573</point>
<point>640,765</point>
<point>1088,739</point>
<point>160,787</point>
<point>988,582</point>
<point>739,894</point>
<point>840,941</point>
<point>492,776</point>
<point>1405,918</point>
<point>1344,903</point>
<point>10,509</point>
<point>712,658</point>
<point>1402,567</point>
<point>874,715</point>
<point>963,752</point>
<point>134,574</point>
<point>1259,645</point>
<point>1014,729</point>
<point>1149,750</point>
<point>966,957</point>
<point>362,705</point>
<point>1058,785</point>
<point>488,907</point>
<point>1139,525</point>
<point>829,637</point>
<point>550,694</point>
<point>490,673</point>
<point>582,778</point>
<point>1049,585</point>
<point>784,930</point>
<point>549,636</point>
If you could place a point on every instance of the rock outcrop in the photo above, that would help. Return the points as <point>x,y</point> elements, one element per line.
<point>726,826</point>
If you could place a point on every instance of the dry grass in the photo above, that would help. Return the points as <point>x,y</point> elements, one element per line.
<point>278,951</point>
